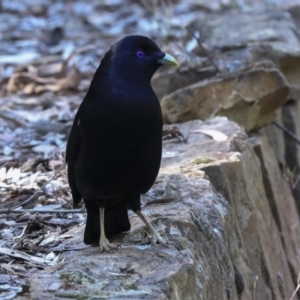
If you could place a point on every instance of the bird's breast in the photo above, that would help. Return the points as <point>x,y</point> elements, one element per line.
<point>121,144</point>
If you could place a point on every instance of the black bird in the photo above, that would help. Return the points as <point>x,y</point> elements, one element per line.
<point>114,149</point>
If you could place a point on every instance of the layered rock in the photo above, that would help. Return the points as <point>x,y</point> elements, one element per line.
<point>250,98</point>
<point>233,228</point>
<point>259,72</point>
<point>263,54</point>
<point>230,229</point>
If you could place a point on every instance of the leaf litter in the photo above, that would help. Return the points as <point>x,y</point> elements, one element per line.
<point>49,52</point>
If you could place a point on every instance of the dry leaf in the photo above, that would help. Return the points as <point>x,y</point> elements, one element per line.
<point>25,256</point>
<point>216,135</point>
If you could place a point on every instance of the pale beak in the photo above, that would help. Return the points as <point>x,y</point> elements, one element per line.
<point>168,60</point>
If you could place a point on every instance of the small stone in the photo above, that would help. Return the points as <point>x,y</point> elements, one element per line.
<point>54,287</point>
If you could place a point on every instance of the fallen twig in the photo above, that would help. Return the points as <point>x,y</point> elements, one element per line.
<point>158,200</point>
<point>289,133</point>
<point>161,200</point>
<point>37,191</point>
<point>49,211</point>
<point>203,49</point>
<point>173,132</point>
<point>22,255</point>
<point>295,183</point>
<point>297,288</point>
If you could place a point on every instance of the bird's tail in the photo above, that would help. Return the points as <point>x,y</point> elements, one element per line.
<point>115,221</point>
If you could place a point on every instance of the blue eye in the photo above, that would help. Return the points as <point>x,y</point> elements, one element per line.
<point>140,54</point>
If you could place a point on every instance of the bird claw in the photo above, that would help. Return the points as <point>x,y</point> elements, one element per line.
<point>106,246</point>
<point>156,238</point>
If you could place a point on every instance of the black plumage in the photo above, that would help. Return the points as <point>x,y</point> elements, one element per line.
<point>114,149</point>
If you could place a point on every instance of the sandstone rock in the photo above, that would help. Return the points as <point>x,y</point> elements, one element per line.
<point>273,29</point>
<point>291,116</point>
<point>281,201</point>
<point>193,69</point>
<point>276,139</point>
<point>289,59</point>
<point>220,30</point>
<point>166,83</point>
<point>249,98</point>
<point>224,240</point>
<point>263,35</point>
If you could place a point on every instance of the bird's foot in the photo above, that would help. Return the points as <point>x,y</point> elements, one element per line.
<point>106,246</point>
<point>156,238</point>
<point>155,235</point>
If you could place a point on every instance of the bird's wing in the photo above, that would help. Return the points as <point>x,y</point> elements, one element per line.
<point>72,151</point>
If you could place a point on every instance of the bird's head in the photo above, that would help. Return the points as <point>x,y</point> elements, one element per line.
<point>138,57</point>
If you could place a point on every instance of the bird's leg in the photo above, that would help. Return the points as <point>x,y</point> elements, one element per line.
<point>104,243</point>
<point>155,235</point>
